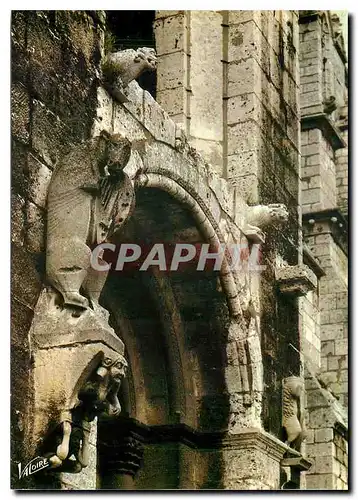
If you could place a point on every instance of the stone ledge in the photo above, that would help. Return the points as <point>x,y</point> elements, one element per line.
<point>307,16</point>
<point>326,125</point>
<point>297,280</point>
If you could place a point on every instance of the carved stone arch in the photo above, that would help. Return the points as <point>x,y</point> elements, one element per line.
<point>205,222</point>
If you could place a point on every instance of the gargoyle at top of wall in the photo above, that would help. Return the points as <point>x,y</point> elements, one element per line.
<point>261,217</point>
<point>120,68</point>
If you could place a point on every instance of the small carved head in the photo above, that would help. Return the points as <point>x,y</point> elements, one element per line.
<point>147,57</point>
<point>118,370</point>
<point>278,212</point>
<point>293,386</point>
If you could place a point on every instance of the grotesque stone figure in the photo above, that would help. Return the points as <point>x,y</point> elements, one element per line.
<point>266,215</point>
<point>260,217</point>
<point>99,394</point>
<point>89,199</point>
<point>120,68</point>
<point>292,415</point>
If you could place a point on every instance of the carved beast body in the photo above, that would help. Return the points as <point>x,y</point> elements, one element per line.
<point>89,199</point>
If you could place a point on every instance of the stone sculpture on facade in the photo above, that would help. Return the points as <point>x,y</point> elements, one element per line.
<point>78,359</point>
<point>260,217</point>
<point>89,199</point>
<point>98,394</point>
<point>120,68</point>
<point>292,415</point>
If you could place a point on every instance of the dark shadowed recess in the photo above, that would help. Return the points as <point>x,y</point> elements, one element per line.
<point>179,321</point>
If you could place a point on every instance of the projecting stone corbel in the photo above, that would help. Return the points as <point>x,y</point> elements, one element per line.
<point>296,280</point>
<point>261,217</point>
<point>120,68</point>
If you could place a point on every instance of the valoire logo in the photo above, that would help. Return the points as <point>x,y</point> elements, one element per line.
<point>32,467</point>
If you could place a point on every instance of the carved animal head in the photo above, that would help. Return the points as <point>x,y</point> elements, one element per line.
<point>148,58</point>
<point>278,212</point>
<point>127,65</point>
<point>263,216</point>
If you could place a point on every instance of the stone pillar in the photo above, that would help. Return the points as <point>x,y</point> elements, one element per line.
<point>190,76</point>
<point>206,85</point>
<point>120,453</point>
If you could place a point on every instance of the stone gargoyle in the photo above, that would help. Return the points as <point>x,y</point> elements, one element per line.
<point>292,413</point>
<point>122,67</point>
<point>89,200</point>
<point>260,217</point>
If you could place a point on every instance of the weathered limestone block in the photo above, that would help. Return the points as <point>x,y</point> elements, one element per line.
<point>39,177</point>
<point>297,280</point>
<point>104,116</point>
<point>17,219</point>
<point>20,112</point>
<point>120,68</point>
<point>35,235</point>
<point>170,33</point>
<point>251,460</point>
<point>134,100</point>
<point>157,121</point>
<point>126,124</point>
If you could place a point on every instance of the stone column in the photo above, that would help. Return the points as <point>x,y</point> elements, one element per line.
<point>120,453</point>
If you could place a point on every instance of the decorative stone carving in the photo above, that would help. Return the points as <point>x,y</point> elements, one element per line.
<point>120,68</point>
<point>78,361</point>
<point>297,280</point>
<point>260,217</point>
<point>78,366</point>
<point>89,199</point>
<point>329,105</point>
<point>292,415</point>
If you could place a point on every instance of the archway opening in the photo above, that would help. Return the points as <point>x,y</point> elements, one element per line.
<point>174,326</point>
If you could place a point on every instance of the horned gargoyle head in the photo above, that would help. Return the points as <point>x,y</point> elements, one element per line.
<point>117,152</point>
